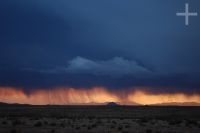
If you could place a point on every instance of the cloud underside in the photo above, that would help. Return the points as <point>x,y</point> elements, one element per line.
<point>116,66</point>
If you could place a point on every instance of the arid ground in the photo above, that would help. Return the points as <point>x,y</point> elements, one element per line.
<point>98,119</point>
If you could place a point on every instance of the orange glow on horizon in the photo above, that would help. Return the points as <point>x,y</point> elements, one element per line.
<point>57,96</point>
<point>145,98</point>
<point>96,95</point>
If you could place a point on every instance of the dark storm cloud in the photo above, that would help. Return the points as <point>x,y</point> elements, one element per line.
<point>116,66</point>
<point>28,79</point>
<point>117,44</point>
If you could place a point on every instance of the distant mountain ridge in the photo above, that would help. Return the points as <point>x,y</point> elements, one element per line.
<point>111,104</point>
<point>13,104</point>
<point>178,104</point>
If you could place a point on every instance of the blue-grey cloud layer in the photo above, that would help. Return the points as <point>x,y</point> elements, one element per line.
<point>88,43</point>
<point>116,66</point>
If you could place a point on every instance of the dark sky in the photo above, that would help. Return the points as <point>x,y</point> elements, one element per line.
<point>111,43</point>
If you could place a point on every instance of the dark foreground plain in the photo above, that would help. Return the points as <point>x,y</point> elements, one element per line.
<point>99,119</point>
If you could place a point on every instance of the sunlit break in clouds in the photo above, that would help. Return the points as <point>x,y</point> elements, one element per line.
<point>93,96</point>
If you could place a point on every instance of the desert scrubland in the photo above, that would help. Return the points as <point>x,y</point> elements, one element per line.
<point>99,119</point>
